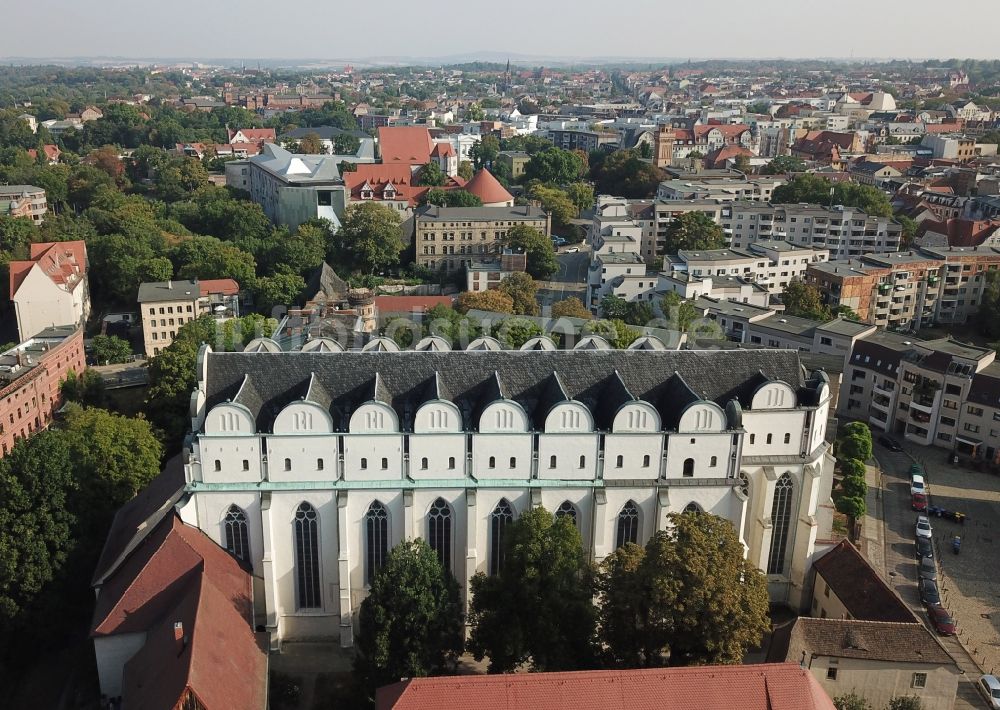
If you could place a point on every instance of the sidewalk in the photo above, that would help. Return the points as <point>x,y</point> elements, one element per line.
<point>873,529</point>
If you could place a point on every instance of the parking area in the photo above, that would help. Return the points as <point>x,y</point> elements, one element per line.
<point>969,580</point>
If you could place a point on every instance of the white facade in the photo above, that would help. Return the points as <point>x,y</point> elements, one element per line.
<point>334,452</point>
<point>40,302</point>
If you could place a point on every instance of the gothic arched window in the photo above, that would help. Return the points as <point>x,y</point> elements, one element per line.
<point>566,510</point>
<point>781,516</point>
<point>439,531</point>
<point>628,525</point>
<point>307,557</point>
<point>500,518</point>
<point>237,539</point>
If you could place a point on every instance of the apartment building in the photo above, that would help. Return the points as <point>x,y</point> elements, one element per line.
<point>728,190</point>
<point>583,140</point>
<point>50,287</point>
<point>167,305</point>
<point>486,275</point>
<point>24,201</point>
<point>621,274</point>
<point>911,289</point>
<point>30,374</point>
<point>844,231</point>
<point>450,238</point>
<point>725,288</point>
<point>940,393</point>
<point>771,263</point>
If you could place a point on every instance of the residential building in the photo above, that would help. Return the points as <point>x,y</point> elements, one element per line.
<point>769,263</point>
<point>950,147</point>
<point>30,375</point>
<point>958,232</point>
<point>49,150</point>
<point>514,161</point>
<point>665,212</point>
<point>843,231</point>
<point>621,274</point>
<point>724,288</point>
<point>405,145</point>
<point>167,305</point>
<point>613,229</point>
<point>586,141</point>
<point>911,289</point>
<point>876,174</point>
<point>487,275</point>
<point>450,238</point>
<point>757,687</point>
<point>31,120</point>
<point>293,188</point>
<point>50,287</point>
<point>174,613</point>
<point>846,586</point>
<point>878,660</point>
<point>361,450</point>
<point>259,136</point>
<point>730,190</point>
<point>23,201</point>
<point>931,392</point>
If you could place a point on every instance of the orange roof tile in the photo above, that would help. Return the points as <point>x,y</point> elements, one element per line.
<point>406,145</point>
<point>487,188</point>
<point>226,287</point>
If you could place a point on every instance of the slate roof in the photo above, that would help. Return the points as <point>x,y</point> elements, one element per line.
<point>985,389</point>
<point>858,586</point>
<point>867,640</point>
<point>663,378</point>
<point>757,687</point>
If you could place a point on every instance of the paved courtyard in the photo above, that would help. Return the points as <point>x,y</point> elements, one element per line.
<point>969,581</point>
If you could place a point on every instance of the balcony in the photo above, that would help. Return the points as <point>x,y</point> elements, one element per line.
<point>919,416</point>
<point>882,404</point>
<point>884,391</point>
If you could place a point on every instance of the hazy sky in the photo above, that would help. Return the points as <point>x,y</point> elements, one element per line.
<point>254,29</point>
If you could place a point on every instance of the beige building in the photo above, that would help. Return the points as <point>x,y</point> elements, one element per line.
<point>167,305</point>
<point>24,201</point>
<point>878,660</point>
<point>450,238</point>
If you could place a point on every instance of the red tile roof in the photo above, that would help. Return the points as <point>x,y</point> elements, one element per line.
<point>961,232</point>
<point>410,304</point>
<point>225,287</point>
<point>783,686</point>
<point>718,157</point>
<point>60,261</point>
<point>405,145</point>
<point>858,586</point>
<point>442,150</point>
<point>487,188</point>
<point>255,134</point>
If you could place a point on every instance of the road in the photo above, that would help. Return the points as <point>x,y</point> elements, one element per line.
<point>569,280</point>
<point>900,562</point>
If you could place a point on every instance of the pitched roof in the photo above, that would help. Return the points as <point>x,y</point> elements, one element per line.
<point>409,304</point>
<point>405,145</point>
<point>758,687</point>
<point>487,188</point>
<point>960,232</point>
<point>226,287</point>
<point>254,134</point>
<point>65,263</point>
<point>858,586</point>
<point>868,640</point>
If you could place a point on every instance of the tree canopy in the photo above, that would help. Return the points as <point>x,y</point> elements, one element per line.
<point>804,300</point>
<point>815,189</point>
<point>554,165</point>
<point>693,231</point>
<point>541,256</point>
<point>571,307</point>
<point>624,173</point>
<point>369,239</point>
<point>523,293</point>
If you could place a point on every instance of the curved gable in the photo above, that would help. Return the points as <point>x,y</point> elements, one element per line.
<point>230,419</point>
<point>702,416</point>
<point>569,416</point>
<point>437,416</point>
<point>636,417</point>
<point>303,418</point>
<point>374,417</point>
<point>774,395</point>
<point>503,416</point>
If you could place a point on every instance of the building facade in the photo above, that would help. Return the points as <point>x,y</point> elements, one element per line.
<point>30,374</point>
<point>50,287</point>
<point>167,305</point>
<point>451,238</point>
<point>327,460</point>
<point>24,201</point>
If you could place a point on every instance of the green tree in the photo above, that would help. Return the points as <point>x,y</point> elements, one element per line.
<point>638,313</point>
<point>581,194</point>
<point>852,468</point>
<point>515,332</point>
<point>804,300</point>
<point>523,292</point>
<point>626,174</point>
<point>465,170</point>
<point>452,198</point>
<point>474,113</point>
<point>431,175</point>
<point>541,256</point>
<point>817,190</point>
<point>311,144</point>
<point>554,165</point>
<point>851,701</point>
<point>558,204</point>
<point>783,165</point>
<point>571,307</point>
<point>904,702</point>
<point>614,307</point>
<point>210,258</point>
<point>180,177</point>
<point>679,312</point>
<point>855,441</point>
<point>694,231</point>
<point>538,606</point>
<point>369,239</point>
<point>742,163</point>
<point>298,253</point>
<point>37,480</point>
<point>86,389</point>
<point>110,349</point>
<point>119,263</point>
<point>853,507</point>
<point>484,151</point>
<point>494,301</point>
<point>346,144</point>
<point>282,289</point>
<point>410,624</point>
<point>691,572</point>
<point>909,232</point>
<point>617,332</point>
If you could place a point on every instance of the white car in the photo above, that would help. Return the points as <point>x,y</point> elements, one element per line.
<point>572,250</point>
<point>989,686</point>
<point>917,485</point>
<point>923,526</point>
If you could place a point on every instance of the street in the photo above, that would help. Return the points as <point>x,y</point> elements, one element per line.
<point>569,280</point>
<point>968,580</point>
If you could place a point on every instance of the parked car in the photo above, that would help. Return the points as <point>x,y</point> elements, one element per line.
<point>929,593</point>
<point>917,485</point>
<point>558,241</point>
<point>941,620</point>
<point>924,548</point>
<point>926,569</point>
<point>918,501</point>
<point>924,527</point>
<point>572,250</point>
<point>890,443</point>
<point>989,686</point>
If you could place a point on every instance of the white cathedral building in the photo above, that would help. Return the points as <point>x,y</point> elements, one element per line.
<point>310,466</point>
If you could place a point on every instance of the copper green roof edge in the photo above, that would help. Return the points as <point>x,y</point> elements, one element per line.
<point>201,487</point>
